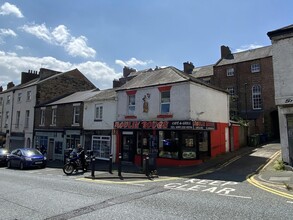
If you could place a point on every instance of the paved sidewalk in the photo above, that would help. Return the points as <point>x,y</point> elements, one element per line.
<point>268,175</point>
<point>133,172</point>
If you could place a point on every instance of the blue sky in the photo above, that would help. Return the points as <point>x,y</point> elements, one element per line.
<point>99,37</point>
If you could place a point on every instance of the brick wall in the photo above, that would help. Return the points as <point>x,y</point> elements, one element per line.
<point>63,84</point>
<point>263,120</point>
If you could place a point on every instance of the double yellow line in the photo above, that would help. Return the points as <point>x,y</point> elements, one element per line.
<point>251,179</point>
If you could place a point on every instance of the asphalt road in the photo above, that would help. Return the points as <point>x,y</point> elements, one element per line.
<point>223,193</point>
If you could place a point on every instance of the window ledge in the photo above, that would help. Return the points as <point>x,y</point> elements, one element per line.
<point>130,117</point>
<point>165,116</point>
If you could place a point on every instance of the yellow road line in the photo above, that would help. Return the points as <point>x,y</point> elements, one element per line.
<point>254,182</point>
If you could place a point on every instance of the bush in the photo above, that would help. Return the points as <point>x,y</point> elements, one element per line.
<point>279,165</point>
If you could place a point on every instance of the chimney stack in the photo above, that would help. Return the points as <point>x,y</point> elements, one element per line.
<point>10,85</point>
<point>225,52</point>
<point>127,71</point>
<point>188,67</point>
<point>30,75</point>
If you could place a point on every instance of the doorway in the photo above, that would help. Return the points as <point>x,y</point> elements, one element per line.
<point>128,150</point>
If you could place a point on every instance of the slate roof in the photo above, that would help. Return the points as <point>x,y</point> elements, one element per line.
<point>203,71</point>
<point>88,95</point>
<point>76,97</point>
<point>284,30</point>
<point>161,76</point>
<point>247,56</point>
<point>102,95</point>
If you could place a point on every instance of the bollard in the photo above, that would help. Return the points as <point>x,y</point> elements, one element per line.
<point>147,159</point>
<point>110,163</point>
<point>119,165</point>
<point>93,160</point>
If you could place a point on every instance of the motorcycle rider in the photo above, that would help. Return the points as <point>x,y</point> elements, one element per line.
<point>80,153</point>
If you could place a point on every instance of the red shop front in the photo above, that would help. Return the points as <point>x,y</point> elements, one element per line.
<point>172,143</point>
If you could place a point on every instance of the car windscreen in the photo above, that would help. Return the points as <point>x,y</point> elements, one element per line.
<point>31,152</point>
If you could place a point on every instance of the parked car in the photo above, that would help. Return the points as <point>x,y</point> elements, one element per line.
<point>26,158</point>
<point>3,156</point>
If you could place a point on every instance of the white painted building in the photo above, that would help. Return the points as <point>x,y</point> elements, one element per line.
<point>173,115</point>
<point>99,115</point>
<point>17,111</point>
<point>282,44</point>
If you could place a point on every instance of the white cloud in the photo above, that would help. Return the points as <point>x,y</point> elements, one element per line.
<point>247,47</point>
<point>133,62</point>
<point>77,47</point>
<point>40,31</point>
<point>11,66</point>
<point>18,47</point>
<point>7,32</point>
<point>60,36</point>
<point>7,9</point>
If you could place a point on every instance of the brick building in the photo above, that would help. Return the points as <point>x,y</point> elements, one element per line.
<point>17,103</point>
<point>248,76</point>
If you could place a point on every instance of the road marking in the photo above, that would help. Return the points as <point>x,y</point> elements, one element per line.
<point>290,202</point>
<point>254,182</point>
<point>242,197</point>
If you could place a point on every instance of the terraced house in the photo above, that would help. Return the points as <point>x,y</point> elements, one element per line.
<point>18,102</point>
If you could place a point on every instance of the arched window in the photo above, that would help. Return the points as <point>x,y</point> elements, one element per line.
<point>256,97</point>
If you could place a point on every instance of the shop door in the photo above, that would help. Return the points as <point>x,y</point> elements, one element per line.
<point>128,148</point>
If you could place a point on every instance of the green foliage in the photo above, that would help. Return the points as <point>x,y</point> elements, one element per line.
<point>279,165</point>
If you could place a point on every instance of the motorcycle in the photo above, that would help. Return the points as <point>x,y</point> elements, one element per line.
<point>73,163</point>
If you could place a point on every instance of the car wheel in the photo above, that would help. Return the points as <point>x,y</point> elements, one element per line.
<point>21,165</point>
<point>8,164</point>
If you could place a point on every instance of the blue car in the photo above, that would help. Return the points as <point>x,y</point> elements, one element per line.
<point>26,158</point>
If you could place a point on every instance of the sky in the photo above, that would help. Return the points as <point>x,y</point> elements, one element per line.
<point>100,37</point>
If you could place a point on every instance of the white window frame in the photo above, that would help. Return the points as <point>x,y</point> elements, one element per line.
<point>131,104</point>
<point>27,118</point>
<point>8,99</point>
<point>42,122</point>
<point>19,97</point>
<point>98,112</point>
<point>230,71</point>
<point>54,116</point>
<point>231,90</point>
<point>101,151</point>
<point>256,97</point>
<point>165,101</point>
<point>6,119</point>
<point>29,95</point>
<point>17,119</point>
<point>76,114</point>
<point>255,68</point>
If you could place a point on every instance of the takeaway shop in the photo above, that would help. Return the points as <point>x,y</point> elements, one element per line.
<point>172,143</point>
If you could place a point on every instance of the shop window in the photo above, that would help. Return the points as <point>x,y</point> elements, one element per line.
<point>168,144</point>
<point>203,143</point>
<point>101,146</point>
<point>188,146</point>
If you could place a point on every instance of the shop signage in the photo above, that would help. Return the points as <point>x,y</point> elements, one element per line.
<point>186,125</point>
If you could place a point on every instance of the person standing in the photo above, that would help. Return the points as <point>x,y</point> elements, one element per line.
<point>80,153</point>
